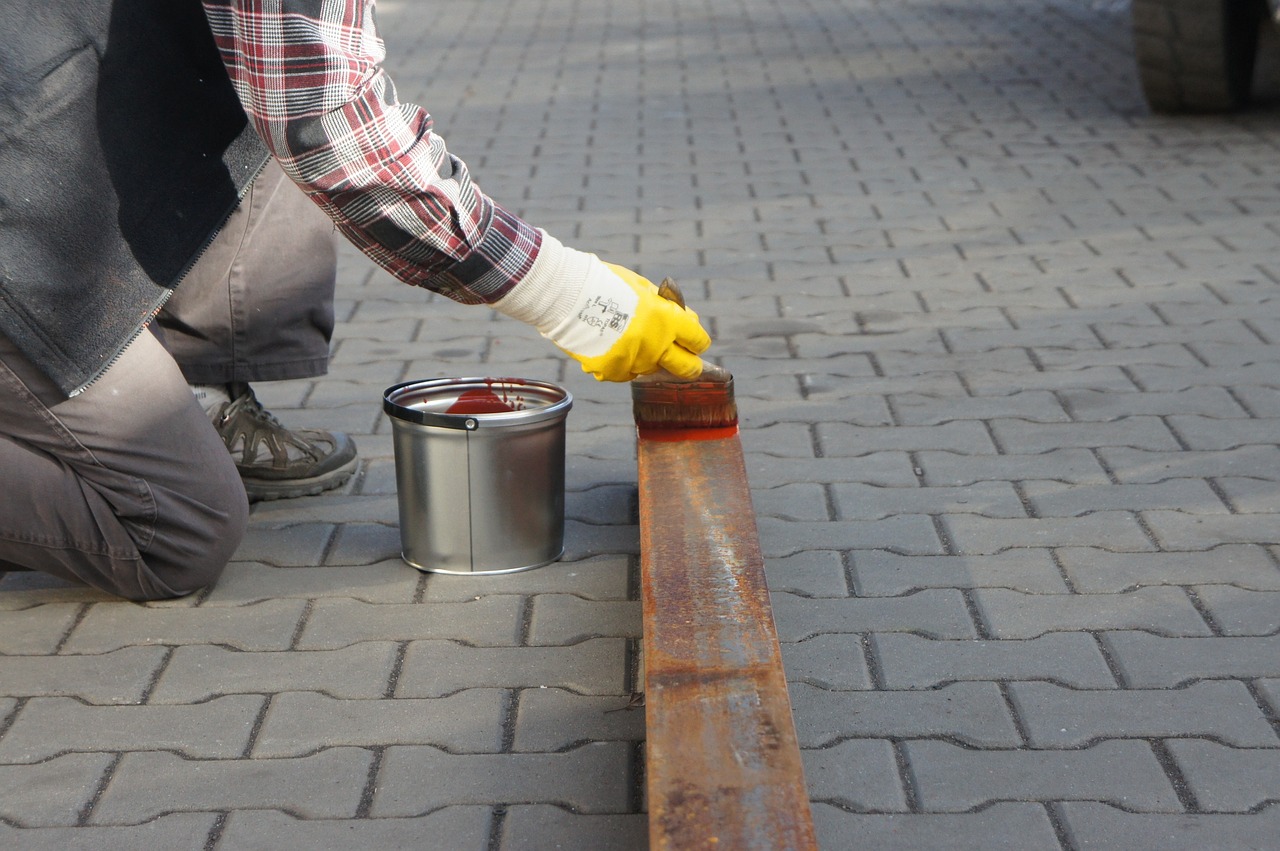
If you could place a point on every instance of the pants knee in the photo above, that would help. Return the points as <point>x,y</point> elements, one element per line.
<point>185,560</point>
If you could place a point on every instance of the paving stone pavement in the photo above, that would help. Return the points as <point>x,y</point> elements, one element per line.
<point>1006,355</point>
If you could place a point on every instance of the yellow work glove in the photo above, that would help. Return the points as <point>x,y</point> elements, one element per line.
<point>607,318</point>
<point>659,334</point>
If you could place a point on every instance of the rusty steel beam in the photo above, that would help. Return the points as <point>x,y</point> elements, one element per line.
<point>722,761</point>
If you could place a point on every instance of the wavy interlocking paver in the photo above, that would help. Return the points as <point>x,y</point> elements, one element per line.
<point>1005,353</point>
<point>299,723</point>
<point>146,785</point>
<point>121,676</point>
<point>49,726</point>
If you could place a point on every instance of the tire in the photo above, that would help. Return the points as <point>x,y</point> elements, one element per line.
<point>1196,55</point>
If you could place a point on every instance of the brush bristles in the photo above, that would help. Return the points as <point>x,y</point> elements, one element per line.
<point>671,403</point>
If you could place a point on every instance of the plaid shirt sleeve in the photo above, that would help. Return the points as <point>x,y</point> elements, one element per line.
<point>309,75</point>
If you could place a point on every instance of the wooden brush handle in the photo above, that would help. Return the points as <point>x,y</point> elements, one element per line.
<point>670,290</point>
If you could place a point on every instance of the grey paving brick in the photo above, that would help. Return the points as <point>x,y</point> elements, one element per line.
<point>602,577</point>
<point>1057,717</point>
<point>1261,401</point>
<point>586,540</point>
<point>37,629</point>
<point>119,677</point>
<point>298,545</point>
<point>565,619</point>
<point>1096,571</point>
<point>1190,313</point>
<point>906,533</point>
<point>974,713</point>
<point>1270,689</point>
<point>1251,496</point>
<point>1153,661</point>
<point>1117,530</point>
<point>1140,465</point>
<point>879,573</point>
<point>1169,354</point>
<point>866,502</point>
<point>1100,825</point>
<point>1180,530</point>
<point>886,469</point>
<point>1074,466</point>
<point>1094,406</point>
<point>48,726</point>
<point>452,827</point>
<point>1020,437</point>
<point>824,386</point>
<point>553,719</point>
<point>25,589</point>
<point>1226,779</point>
<point>488,621</point>
<point>1049,314</point>
<point>843,440</point>
<point>1034,406</point>
<point>366,544</point>
<point>539,826</point>
<point>834,661</point>
<point>436,668</point>
<point>1240,611</point>
<point>1129,335</point>
<point>863,410</point>
<point>1011,826</point>
<point>610,504</point>
<point>299,723</point>
<point>1215,434</point>
<point>1101,378</point>
<point>792,502</point>
<point>177,832</point>
<point>247,582</point>
<point>816,573</point>
<point>783,440</point>
<point>985,339</point>
<point>1126,773</point>
<point>1012,614</point>
<point>340,506</point>
<point>859,774</point>
<point>594,778</point>
<point>197,673</point>
<point>1055,499</point>
<point>326,785</point>
<point>912,662</point>
<point>50,793</point>
<point>618,441</point>
<point>941,613</point>
<point>267,625</point>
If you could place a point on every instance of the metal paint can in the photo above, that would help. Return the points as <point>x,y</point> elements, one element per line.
<point>479,472</point>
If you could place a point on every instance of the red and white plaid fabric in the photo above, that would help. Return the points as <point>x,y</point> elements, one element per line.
<point>310,77</point>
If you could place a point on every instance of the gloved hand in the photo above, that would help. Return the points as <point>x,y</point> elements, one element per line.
<point>658,334</point>
<point>607,318</point>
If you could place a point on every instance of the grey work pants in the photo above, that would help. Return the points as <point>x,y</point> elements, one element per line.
<point>258,306</point>
<point>127,487</point>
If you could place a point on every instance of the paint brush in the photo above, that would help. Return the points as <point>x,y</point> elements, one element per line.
<point>665,401</point>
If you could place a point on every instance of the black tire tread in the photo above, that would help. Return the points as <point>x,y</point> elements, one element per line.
<point>1195,55</point>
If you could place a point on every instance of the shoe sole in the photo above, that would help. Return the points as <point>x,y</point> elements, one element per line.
<point>265,490</point>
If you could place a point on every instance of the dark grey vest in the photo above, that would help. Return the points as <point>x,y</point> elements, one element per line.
<point>123,148</point>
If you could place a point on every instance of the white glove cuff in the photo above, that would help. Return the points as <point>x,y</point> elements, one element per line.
<point>548,292</point>
<point>572,299</point>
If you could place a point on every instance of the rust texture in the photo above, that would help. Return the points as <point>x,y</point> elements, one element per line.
<point>722,760</point>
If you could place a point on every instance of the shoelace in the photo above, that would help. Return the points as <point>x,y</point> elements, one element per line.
<point>277,438</point>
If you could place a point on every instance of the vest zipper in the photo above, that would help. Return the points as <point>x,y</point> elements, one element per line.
<point>168,291</point>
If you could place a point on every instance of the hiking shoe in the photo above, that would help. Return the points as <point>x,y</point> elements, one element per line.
<point>279,463</point>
